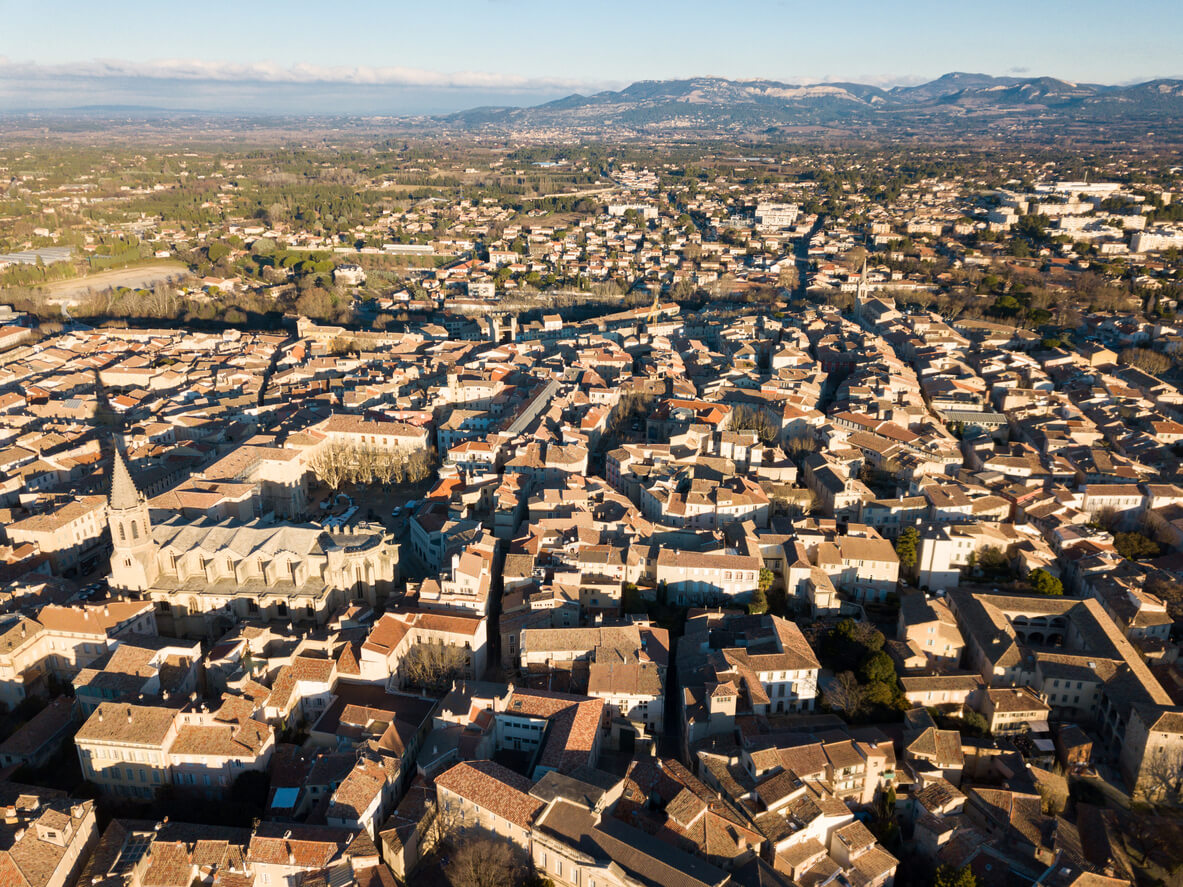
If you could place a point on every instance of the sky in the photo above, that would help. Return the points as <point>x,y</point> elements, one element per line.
<point>391,57</point>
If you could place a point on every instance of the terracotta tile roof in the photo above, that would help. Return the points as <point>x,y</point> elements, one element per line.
<point>94,619</point>
<point>358,790</point>
<point>306,846</point>
<point>574,722</point>
<point>142,725</point>
<point>493,787</point>
<point>169,865</point>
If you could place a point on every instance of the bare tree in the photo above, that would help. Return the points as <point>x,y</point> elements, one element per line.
<point>385,466</point>
<point>787,277</point>
<point>330,464</point>
<point>1161,778</point>
<point>433,667</point>
<point>419,466</point>
<point>746,418</point>
<point>484,862</point>
<point>441,825</point>
<point>800,444</point>
<point>845,693</point>
<point>363,463</point>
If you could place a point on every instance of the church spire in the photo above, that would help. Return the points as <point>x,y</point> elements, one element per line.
<point>124,494</point>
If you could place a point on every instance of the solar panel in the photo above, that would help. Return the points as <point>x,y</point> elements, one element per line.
<point>133,851</point>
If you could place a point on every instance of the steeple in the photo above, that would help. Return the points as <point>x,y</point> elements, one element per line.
<point>124,494</point>
<point>133,553</point>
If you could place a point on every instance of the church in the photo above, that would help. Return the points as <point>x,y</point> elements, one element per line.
<point>203,575</point>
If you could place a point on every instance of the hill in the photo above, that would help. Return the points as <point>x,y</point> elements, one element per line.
<point>957,103</point>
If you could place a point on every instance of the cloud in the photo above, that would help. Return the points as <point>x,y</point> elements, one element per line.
<point>1019,69</point>
<point>273,73</point>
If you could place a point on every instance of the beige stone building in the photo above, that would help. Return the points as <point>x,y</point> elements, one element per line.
<point>1151,759</point>
<point>928,624</point>
<point>355,431</point>
<point>203,576</point>
<point>123,749</point>
<point>395,635</point>
<point>280,474</point>
<point>67,535</point>
<point>1012,709</point>
<point>484,796</point>
<point>44,842</point>
<point>134,750</point>
<point>60,641</point>
<point>576,847</point>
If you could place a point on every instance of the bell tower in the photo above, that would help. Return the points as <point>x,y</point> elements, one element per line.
<point>133,555</point>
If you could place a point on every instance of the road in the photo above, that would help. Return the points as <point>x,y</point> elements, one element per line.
<point>589,192</point>
<point>801,256</point>
<point>669,743</point>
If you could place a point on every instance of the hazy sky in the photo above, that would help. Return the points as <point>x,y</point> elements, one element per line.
<point>378,57</point>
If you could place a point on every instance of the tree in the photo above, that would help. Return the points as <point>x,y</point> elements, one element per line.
<point>484,862</point>
<point>433,667</point>
<point>975,724</point>
<point>799,444</point>
<point>1135,546</point>
<point>884,825</point>
<point>992,561</point>
<point>787,277</point>
<point>1045,583</point>
<point>845,694</point>
<point>759,602</point>
<point>905,547</point>
<point>1145,359</point>
<point>849,644</point>
<point>766,579</point>
<point>1161,778</point>
<point>745,418</point>
<point>331,465</point>
<point>877,667</point>
<point>248,793</point>
<point>419,465</point>
<point>442,822</point>
<point>948,876</point>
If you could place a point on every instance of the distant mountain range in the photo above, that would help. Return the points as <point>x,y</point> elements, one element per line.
<point>955,103</point>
